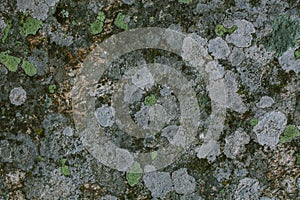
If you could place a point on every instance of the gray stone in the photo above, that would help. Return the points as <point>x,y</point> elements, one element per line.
<point>132,93</point>
<point>143,78</point>
<point>259,54</point>
<point>288,61</point>
<point>191,197</point>
<point>234,101</point>
<point>183,182</point>
<point>68,131</point>
<point>248,188</point>
<point>105,115</point>
<point>265,102</point>
<point>269,128</point>
<point>242,36</point>
<point>17,96</point>
<point>209,150</point>
<point>159,183</point>
<point>128,2</point>
<point>219,48</point>
<point>109,197</point>
<point>235,144</point>
<point>237,56</point>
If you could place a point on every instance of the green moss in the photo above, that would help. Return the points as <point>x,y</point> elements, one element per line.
<point>220,30</point>
<point>134,174</point>
<point>253,122</point>
<point>10,62</point>
<point>97,26</point>
<point>185,1</point>
<point>64,168</point>
<point>52,88</point>
<point>29,68</point>
<point>6,31</point>
<point>290,133</point>
<point>297,53</point>
<point>30,26</point>
<point>120,23</point>
<point>284,35</point>
<point>150,100</point>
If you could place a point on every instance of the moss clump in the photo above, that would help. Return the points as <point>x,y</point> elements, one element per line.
<point>134,174</point>
<point>150,100</point>
<point>30,26</point>
<point>6,31</point>
<point>289,134</point>
<point>185,1</point>
<point>284,35</point>
<point>10,62</point>
<point>52,88</point>
<point>253,122</point>
<point>297,53</point>
<point>97,26</point>
<point>221,30</point>
<point>120,23</point>
<point>29,68</point>
<point>64,168</point>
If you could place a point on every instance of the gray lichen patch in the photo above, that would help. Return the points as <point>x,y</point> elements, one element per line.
<point>17,96</point>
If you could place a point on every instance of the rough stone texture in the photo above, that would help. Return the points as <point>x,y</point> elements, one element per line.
<point>159,183</point>
<point>17,96</point>
<point>248,188</point>
<point>269,128</point>
<point>219,48</point>
<point>105,115</point>
<point>183,182</point>
<point>265,102</point>
<point>288,61</point>
<point>235,144</point>
<point>242,36</point>
<point>132,93</point>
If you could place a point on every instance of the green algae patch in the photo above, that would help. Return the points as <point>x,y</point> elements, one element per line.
<point>290,133</point>
<point>29,68</point>
<point>285,32</point>
<point>10,62</point>
<point>120,21</point>
<point>30,26</point>
<point>134,174</point>
<point>97,26</point>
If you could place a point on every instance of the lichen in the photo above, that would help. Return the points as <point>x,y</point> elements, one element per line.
<point>30,26</point>
<point>134,174</point>
<point>97,26</point>
<point>9,61</point>
<point>29,68</point>
<point>221,30</point>
<point>297,53</point>
<point>6,31</point>
<point>120,23</point>
<point>285,32</point>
